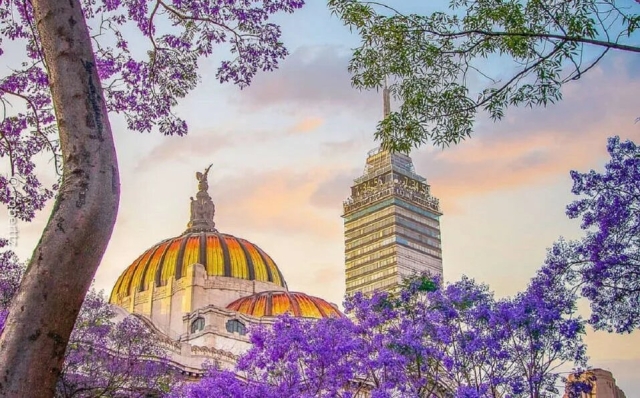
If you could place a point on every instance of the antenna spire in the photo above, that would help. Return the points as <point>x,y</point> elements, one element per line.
<point>386,100</point>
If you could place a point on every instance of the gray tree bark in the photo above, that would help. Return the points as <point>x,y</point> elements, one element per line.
<point>62,266</point>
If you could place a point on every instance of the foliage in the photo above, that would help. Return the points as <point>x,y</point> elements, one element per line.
<point>543,334</point>
<point>477,56</point>
<point>605,264</point>
<point>11,270</point>
<point>293,358</point>
<point>425,341</point>
<point>174,36</point>
<point>104,358</point>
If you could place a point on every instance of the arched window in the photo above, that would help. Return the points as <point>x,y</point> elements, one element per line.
<point>235,326</point>
<point>197,325</point>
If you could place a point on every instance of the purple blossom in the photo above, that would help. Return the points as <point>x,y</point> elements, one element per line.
<point>605,263</point>
<point>426,341</point>
<point>145,89</point>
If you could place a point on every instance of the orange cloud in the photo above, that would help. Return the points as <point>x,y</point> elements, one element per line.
<point>278,201</point>
<point>306,125</point>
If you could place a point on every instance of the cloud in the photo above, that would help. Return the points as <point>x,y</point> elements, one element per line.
<point>311,77</point>
<point>331,192</point>
<point>277,201</point>
<point>533,146</point>
<point>340,147</point>
<point>173,148</point>
<point>306,125</point>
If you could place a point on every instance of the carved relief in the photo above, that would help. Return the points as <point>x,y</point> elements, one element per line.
<point>212,352</point>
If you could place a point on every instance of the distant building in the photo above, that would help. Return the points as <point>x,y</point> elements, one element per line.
<point>604,385</point>
<point>392,224</point>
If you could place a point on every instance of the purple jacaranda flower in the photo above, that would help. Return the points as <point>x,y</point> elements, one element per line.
<point>147,55</point>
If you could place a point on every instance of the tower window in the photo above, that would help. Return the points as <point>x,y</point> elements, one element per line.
<point>197,325</point>
<point>235,326</point>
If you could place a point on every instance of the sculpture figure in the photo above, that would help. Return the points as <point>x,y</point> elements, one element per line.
<point>202,207</point>
<point>203,184</point>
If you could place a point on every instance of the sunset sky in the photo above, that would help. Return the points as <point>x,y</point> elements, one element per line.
<point>286,150</point>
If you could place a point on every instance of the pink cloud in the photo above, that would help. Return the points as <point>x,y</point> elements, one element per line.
<point>306,125</point>
<point>278,201</point>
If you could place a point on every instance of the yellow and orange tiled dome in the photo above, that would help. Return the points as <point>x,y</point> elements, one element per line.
<point>221,254</point>
<point>276,303</point>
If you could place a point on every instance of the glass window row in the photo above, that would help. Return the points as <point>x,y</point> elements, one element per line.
<point>357,222</point>
<point>424,229</point>
<point>418,258</point>
<point>354,233</point>
<point>388,281</point>
<point>411,234</point>
<point>366,208</point>
<point>408,233</point>
<point>380,285</point>
<point>369,248</point>
<point>351,273</point>
<point>370,238</point>
<point>417,217</point>
<point>422,248</point>
<point>350,225</point>
<point>371,277</point>
<point>370,257</point>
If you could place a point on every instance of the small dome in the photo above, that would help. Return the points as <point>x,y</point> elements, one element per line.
<point>221,254</point>
<point>276,303</point>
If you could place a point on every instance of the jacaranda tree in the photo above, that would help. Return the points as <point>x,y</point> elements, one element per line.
<point>543,334</point>
<point>104,358</point>
<point>82,59</point>
<point>426,341</point>
<point>605,264</point>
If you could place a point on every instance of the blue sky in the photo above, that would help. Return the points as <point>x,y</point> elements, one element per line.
<point>285,150</point>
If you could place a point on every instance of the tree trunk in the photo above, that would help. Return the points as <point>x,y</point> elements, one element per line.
<point>44,310</point>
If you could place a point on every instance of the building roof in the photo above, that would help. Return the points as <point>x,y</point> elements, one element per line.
<point>274,303</point>
<point>221,254</point>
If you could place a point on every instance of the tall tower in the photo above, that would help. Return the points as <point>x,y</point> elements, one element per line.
<point>391,223</point>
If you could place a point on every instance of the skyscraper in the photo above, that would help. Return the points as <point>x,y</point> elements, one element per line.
<point>391,222</point>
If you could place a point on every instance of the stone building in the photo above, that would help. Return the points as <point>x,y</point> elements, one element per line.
<point>199,291</point>
<point>604,385</point>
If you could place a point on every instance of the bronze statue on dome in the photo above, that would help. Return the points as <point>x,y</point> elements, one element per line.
<point>202,207</point>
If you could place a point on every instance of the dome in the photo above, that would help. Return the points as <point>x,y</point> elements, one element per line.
<point>276,303</point>
<point>221,254</point>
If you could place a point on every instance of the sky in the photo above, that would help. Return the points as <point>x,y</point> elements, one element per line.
<point>286,150</point>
